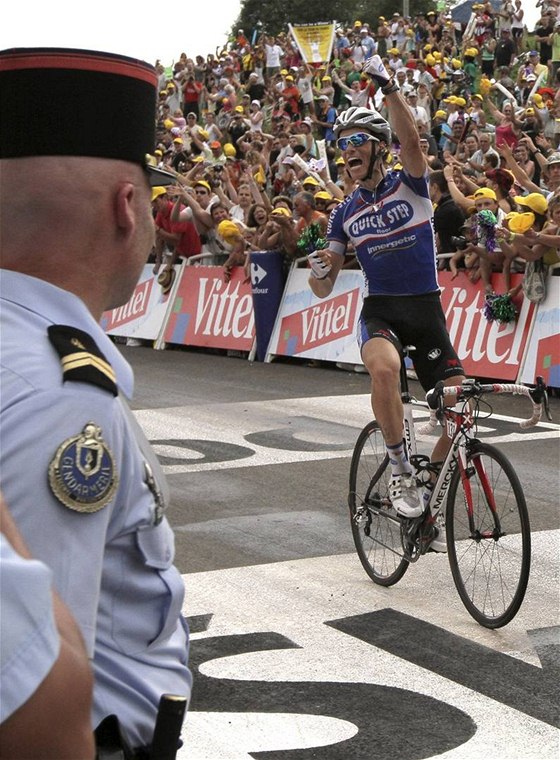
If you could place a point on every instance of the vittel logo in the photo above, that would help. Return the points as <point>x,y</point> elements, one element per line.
<point>322,323</point>
<point>474,337</point>
<point>221,310</point>
<point>136,307</point>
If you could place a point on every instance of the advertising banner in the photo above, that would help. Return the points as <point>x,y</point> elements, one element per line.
<point>313,328</point>
<point>145,313</point>
<point>486,349</point>
<point>207,311</point>
<point>543,353</point>
<point>267,285</point>
<point>314,41</point>
<point>324,329</point>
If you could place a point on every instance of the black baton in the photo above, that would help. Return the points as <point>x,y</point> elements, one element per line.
<point>167,731</point>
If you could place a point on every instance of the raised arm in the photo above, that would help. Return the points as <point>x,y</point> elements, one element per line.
<point>400,118</point>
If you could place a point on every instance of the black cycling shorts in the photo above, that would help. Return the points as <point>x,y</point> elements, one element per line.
<point>416,321</point>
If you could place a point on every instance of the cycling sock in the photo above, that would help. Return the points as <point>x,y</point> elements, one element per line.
<point>398,459</point>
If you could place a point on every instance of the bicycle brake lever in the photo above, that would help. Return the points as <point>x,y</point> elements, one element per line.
<point>540,396</point>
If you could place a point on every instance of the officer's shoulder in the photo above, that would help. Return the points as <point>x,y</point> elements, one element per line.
<point>81,359</point>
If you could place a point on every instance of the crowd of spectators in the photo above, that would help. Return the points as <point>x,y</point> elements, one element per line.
<point>248,131</point>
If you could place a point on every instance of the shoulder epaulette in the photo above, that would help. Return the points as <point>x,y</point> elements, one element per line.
<point>81,359</point>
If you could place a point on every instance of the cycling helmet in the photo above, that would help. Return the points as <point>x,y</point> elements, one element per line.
<point>364,118</point>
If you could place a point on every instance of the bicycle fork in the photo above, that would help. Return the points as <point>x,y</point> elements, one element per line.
<point>467,471</point>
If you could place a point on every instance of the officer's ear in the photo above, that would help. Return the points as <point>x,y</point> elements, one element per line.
<point>124,203</point>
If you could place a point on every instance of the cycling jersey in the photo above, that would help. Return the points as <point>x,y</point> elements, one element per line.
<point>391,230</point>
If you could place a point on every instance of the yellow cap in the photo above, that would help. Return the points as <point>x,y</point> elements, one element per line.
<point>157,191</point>
<point>535,201</point>
<point>229,231</point>
<point>203,183</point>
<point>485,192</point>
<point>521,222</point>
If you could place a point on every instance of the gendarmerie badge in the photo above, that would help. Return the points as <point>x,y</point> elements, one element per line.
<point>82,473</point>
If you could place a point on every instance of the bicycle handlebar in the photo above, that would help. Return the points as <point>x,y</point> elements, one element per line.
<point>473,389</point>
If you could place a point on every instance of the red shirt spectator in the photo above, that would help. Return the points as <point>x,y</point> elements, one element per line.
<point>187,241</point>
<point>191,95</point>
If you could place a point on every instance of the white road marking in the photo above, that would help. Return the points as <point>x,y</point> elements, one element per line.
<point>231,422</point>
<point>316,590</point>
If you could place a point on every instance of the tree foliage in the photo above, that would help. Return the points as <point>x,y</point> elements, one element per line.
<point>274,18</point>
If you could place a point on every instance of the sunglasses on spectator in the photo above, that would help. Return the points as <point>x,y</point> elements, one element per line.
<point>357,140</point>
<point>201,192</point>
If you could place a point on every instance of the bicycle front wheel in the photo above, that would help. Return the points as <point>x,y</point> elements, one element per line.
<point>488,536</point>
<point>375,527</point>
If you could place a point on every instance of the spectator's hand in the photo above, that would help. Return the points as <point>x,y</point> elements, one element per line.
<point>319,265</point>
<point>375,68</point>
<point>448,172</point>
<point>542,141</point>
<point>528,142</point>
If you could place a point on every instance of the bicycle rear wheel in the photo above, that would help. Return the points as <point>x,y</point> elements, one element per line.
<point>375,527</point>
<point>488,536</point>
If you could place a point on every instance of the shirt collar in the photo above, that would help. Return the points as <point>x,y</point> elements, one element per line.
<point>60,307</point>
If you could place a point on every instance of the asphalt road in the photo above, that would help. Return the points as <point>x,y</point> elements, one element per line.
<point>295,653</point>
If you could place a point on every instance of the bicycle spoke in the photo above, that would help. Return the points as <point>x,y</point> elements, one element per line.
<point>375,528</point>
<point>490,563</point>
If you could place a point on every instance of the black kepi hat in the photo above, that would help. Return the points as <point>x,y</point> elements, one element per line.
<point>63,102</point>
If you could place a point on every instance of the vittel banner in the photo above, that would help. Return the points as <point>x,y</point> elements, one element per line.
<point>315,328</point>
<point>144,314</point>
<point>486,349</point>
<point>208,311</point>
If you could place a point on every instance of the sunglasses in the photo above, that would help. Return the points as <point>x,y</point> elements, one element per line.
<point>356,141</point>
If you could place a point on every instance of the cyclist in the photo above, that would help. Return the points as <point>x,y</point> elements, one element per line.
<point>388,220</point>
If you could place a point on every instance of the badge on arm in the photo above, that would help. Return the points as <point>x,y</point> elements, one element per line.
<point>82,472</point>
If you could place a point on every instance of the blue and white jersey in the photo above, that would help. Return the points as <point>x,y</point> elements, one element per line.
<point>391,229</point>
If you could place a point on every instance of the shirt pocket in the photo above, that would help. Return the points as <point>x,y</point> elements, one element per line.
<point>146,590</point>
<point>157,547</point>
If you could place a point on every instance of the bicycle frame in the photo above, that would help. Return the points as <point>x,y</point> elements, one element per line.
<point>486,516</point>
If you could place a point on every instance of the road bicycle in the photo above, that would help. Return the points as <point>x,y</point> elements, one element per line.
<point>485,513</point>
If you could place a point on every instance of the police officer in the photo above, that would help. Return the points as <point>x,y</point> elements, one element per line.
<point>85,489</point>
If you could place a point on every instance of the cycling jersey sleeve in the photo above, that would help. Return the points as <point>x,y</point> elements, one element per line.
<point>337,238</point>
<point>419,185</point>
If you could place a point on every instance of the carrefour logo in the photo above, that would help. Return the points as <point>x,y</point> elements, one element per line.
<point>390,217</point>
<point>257,273</point>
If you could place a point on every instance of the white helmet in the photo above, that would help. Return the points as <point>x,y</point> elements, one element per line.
<point>364,118</point>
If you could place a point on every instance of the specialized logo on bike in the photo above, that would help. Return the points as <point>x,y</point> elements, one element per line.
<point>390,217</point>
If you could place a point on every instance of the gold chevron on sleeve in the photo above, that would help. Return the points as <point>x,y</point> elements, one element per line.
<point>84,359</point>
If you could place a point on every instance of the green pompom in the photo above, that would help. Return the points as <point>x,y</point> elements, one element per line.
<point>500,308</point>
<point>311,239</point>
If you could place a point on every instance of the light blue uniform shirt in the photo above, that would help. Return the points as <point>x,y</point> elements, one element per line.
<point>29,640</point>
<point>113,567</point>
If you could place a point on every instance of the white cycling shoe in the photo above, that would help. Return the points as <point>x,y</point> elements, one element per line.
<point>405,496</point>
